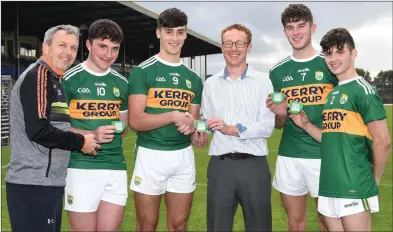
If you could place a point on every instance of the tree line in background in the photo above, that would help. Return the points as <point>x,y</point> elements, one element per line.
<point>382,78</point>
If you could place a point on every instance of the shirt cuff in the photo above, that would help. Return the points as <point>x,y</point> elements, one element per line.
<point>241,128</point>
<point>79,143</point>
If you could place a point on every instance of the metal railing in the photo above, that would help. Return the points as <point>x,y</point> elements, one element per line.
<point>6,87</point>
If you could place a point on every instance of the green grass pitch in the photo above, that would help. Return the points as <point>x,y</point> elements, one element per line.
<point>382,221</point>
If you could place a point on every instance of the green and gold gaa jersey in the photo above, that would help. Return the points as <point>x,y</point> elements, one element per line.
<point>307,81</point>
<point>94,100</point>
<point>346,165</point>
<point>168,87</point>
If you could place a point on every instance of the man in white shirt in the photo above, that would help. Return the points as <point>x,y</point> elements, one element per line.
<point>233,102</point>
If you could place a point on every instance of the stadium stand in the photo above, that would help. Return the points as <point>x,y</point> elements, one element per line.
<point>6,86</point>
<point>138,24</point>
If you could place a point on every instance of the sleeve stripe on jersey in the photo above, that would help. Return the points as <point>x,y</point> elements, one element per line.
<point>366,90</point>
<point>283,61</point>
<point>146,61</point>
<point>364,87</point>
<point>41,91</point>
<point>72,69</point>
<point>71,74</point>
<point>153,59</point>
<point>370,89</point>
<point>150,64</point>
<point>118,75</point>
<point>368,84</point>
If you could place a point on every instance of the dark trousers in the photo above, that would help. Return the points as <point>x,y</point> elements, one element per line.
<point>245,182</point>
<point>34,208</point>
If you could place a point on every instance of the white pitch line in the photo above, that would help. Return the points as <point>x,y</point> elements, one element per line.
<point>386,185</point>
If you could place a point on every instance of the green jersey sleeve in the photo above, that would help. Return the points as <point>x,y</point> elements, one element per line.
<point>124,100</point>
<point>371,107</point>
<point>273,79</point>
<point>138,82</point>
<point>198,91</point>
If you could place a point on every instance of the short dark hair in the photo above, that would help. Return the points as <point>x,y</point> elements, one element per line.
<point>105,29</point>
<point>296,13</point>
<point>337,37</point>
<point>171,18</point>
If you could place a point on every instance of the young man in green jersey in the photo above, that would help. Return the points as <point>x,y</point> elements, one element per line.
<point>96,187</point>
<point>164,101</point>
<point>303,77</point>
<point>355,141</point>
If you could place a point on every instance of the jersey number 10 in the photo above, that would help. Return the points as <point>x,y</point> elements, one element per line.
<point>100,91</point>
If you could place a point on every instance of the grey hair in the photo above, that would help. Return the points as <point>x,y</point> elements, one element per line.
<point>69,29</point>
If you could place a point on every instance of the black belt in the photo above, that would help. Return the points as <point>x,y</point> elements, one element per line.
<point>236,156</point>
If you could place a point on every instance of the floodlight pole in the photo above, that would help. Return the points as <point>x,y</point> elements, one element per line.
<point>200,66</point>
<point>205,67</point>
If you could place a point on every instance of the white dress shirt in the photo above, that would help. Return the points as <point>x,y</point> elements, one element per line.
<point>242,103</point>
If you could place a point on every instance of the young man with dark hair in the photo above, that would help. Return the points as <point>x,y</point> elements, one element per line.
<point>40,140</point>
<point>164,101</point>
<point>303,77</point>
<point>97,95</point>
<point>355,141</point>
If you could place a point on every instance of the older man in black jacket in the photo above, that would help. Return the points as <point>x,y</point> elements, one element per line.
<point>40,140</point>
